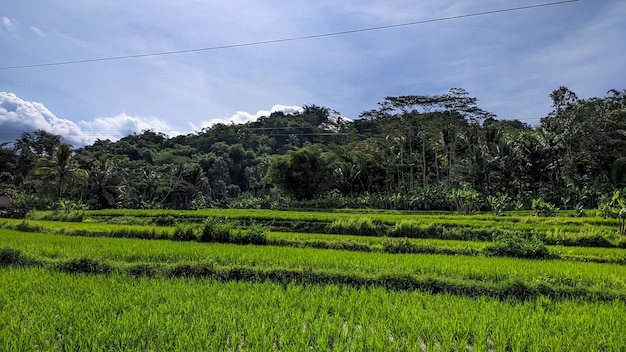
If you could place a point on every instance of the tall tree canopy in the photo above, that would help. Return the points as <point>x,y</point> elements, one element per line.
<point>411,147</point>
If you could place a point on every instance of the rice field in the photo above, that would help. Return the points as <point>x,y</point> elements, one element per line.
<point>43,310</point>
<point>158,294</point>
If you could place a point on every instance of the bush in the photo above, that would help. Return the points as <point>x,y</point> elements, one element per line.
<point>203,269</point>
<point>413,229</point>
<point>516,245</point>
<point>255,234</point>
<point>350,246</point>
<point>215,230</point>
<point>615,208</point>
<point>85,266</point>
<point>498,204</point>
<point>25,226</point>
<point>10,256</point>
<point>465,200</point>
<point>142,270</point>
<point>404,245</point>
<point>358,227</point>
<point>145,233</point>
<point>543,208</point>
<point>185,233</point>
<point>398,245</point>
<point>164,220</point>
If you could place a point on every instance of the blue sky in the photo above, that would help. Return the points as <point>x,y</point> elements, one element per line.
<point>510,61</point>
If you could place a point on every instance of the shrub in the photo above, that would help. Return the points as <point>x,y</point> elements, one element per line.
<point>498,204</point>
<point>543,208</point>
<point>413,229</point>
<point>145,233</point>
<point>407,228</point>
<point>145,270</point>
<point>164,220</point>
<point>214,230</point>
<point>398,245</point>
<point>615,208</point>
<point>10,256</point>
<point>185,233</point>
<point>85,266</point>
<point>579,211</point>
<point>203,269</point>
<point>514,244</point>
<point>465,199</point>
<point>25,226</point>
<point>255,234</point>
<point>358,226</point>
<point>350,246</point>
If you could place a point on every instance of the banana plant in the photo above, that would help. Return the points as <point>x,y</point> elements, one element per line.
<point>615,209</point>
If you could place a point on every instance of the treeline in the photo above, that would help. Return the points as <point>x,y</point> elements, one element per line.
<point>412,152</point>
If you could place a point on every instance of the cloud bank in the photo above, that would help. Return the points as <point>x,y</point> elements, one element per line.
<point>242,117</point>
<point>18,116</point>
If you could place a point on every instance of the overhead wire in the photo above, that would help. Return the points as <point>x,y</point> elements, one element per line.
<point>283,40</point>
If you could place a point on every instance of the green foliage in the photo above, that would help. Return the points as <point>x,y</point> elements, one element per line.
<point>215,230</point>
<point>254,234</point>
<point>200,270</point>
<point>23,203</point>
<point>147,316</point>
<point>185,232</point>
<point>70,210</point>
<point>361,226</point>
<point>404,245</point>
<point>615,208</point>
<point>579,210</point>
<point>465,200</point>
<point>416,229</point>
<point>164,220</point>
<point>11,256</point>
<point>543,207</point>
<point>498,203</point>
<point>302,173</point>
<point>513,244</point>
<point>84,265</point>
<point>61,170</point>
<point>26,226</point>
<point>406,154</point>
<point>142,270</point>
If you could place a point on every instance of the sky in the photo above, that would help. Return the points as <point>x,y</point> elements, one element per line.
<point>510,61</point>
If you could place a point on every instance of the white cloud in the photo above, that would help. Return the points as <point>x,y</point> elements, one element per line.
<point>7,22</point>
<point>116,127</point>
<point>18,116</point>
<point>37,31</point>
<point>242,117</point>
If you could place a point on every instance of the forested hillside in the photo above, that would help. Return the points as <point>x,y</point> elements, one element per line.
<point>412,152</point>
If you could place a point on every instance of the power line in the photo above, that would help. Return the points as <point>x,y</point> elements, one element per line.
<point>283,40</point>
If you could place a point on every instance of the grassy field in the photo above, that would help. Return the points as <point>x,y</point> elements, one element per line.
<point>43,310</point>
<point>117,281</point>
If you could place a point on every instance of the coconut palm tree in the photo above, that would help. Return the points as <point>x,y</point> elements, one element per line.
<point>61,169</point>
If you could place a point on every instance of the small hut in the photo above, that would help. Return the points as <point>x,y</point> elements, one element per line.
<point>5,200</point>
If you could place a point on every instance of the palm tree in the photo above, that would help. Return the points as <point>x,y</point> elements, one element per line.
<point>104,182</point>
<point>60,168</point>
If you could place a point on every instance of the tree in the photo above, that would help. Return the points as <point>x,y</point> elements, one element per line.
<point>61,169</point>
<point>104,182</point>
<point>302,173</point>
<point>30,147</point>
<point>587,138</point>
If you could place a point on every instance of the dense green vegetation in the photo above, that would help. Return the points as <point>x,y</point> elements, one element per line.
<point>439,152</point>
<point>488,235</point>
<point>230,279</point>
<point>45,310</point>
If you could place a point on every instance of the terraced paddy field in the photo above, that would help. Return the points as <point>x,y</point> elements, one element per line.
<point>279,280</point>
